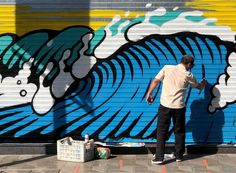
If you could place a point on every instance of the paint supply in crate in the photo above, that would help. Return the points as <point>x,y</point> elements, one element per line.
<point>103,152</point>
<point>73,150</point>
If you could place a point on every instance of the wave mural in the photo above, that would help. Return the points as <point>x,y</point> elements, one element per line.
<point>77,80</point>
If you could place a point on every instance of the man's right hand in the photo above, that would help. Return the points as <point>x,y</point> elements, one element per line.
<point>149,98</point>
<point>202,84</point>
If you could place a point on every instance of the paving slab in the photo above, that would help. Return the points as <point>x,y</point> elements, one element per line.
<point>141,163</point>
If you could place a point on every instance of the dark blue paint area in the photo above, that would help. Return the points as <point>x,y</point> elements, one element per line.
<point>205,127</point>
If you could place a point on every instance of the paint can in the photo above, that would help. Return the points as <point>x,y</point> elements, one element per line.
<point>103,153</point>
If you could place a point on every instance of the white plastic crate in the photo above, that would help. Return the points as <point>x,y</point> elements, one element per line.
<point>76,151</point>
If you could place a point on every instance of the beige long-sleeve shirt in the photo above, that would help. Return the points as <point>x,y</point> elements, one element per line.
<point>175,79</point>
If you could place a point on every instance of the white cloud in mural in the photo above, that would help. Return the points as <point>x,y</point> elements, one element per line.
<point>225,91</point>
<point>17,90</point>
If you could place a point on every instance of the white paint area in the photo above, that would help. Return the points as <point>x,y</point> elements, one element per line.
<point>141,30</point>
<point>111,43</point>
<point>181,23</point>
<point>43,100</point>
<point>176,8</point>
<point>84,63</point>
<point>225,91</point>
<point>17,90</point>
<point>148,5</point>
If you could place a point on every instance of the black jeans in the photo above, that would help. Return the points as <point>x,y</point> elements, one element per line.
<point>164,118</point>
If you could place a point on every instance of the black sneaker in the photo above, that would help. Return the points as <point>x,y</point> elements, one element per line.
<point>179,159</point>
<point>157,161</point>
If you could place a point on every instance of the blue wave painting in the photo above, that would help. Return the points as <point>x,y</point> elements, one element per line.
<point>54,84</point>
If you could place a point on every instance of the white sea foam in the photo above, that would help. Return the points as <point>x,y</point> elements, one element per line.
<point>225,91</point>
<point>43,100</point>
<point>111,43</point>
<point>17,90</point>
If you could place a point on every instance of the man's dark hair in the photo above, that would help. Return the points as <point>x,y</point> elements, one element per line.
<point>187,59</point>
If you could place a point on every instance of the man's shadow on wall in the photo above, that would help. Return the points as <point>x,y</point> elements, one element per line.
<point>206,128</point>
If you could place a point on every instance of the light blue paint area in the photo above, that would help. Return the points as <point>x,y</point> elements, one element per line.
<point>136,100</point>
<point>167,53</point>
<point>42,121</point>
<point>5,41</point>
<point>88,101</point>
<point>197,53</point>
<point>156,50</point>
<point>120,116</point>
<point>160,20</point>
<point>121,93</point>
<point>195,18</point>
<point>9,119</point>
<point>223,52</point>
<point>184,46</point>
<point>132,117</point>
<point>204,49</point>
<point>123,88</point>
<point>140,57</point>
<point>58,45</point>
<point>17,116</point>
<point>101,121</point>
<point>25,120</point>
<point>175,49</point>
<point>84,119</point>
<point>95,41</point>
<point>150,56</point>
<point>100,100</point>
<point>211,24</point>
<point>216,54</point>
<point>24,49</point>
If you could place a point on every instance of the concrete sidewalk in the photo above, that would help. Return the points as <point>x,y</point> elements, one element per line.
<point>215,163</point>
